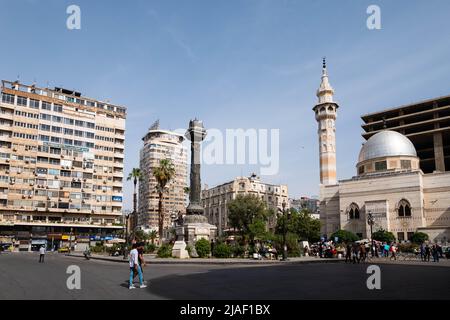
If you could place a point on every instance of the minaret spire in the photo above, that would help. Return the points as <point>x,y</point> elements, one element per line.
<point>326,113</point>
<point>325,92</point>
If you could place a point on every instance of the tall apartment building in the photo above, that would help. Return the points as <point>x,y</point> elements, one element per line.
<point>425,123</point>
<point>311,204</point>
<point>158,145</point>
<point>61,164</point>
<point>216,199</point>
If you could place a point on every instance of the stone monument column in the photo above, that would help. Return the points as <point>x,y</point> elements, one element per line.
<point>195,225</point>
<point>196,133</point>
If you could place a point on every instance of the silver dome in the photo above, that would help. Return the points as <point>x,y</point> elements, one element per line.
<point>385,144</point>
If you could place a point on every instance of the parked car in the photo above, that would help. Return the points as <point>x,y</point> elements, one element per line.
<point>63,249</point>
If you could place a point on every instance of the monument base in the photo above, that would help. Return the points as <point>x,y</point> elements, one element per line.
<point>179,250</point>
<point>194,228</point>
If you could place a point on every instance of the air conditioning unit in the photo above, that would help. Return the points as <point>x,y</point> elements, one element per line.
<point>60,188</point>
<point>31,184</point>
<point>14,149</point>
<point>30,196</point>
<point>7,160</point>
<point>7,171</point>
<point>56,177</point>
<point>62,156</point>
<point>23,196</point>
<point>48,198</point>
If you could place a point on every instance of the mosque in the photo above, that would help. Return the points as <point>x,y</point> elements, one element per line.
<point>389,183</point>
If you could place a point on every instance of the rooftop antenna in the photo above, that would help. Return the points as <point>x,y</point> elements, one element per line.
<point>324,62</point>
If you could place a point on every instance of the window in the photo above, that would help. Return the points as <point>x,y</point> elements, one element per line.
<point>380,166</point>
<point>409,235</point>
<point>7,98</point>
<point>45,116</point>
<point>400,236</point>
<point>21,101</point>
<point>34,104</point>
<point>68,131</point>
<point>89,135</point>
<point>406,164</point>
<point>46,106</point>
<point>404,208</point>
<point>56,129</point>
<point>361,170</point>
<point>79,123</point>
<point>56,119</point>
<point>55,139</point>
<point>68,121</point>
<point>44,138</point>
<point>353,211</point>
<point>68,141</point>
<point>78,133</point>
<point>90,125</point>
<point>44,127</point>
<point>57,108</point>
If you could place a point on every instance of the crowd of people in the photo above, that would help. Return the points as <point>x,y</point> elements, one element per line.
<point>360,251</point>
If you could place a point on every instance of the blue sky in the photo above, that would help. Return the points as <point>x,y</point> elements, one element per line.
<point>235,64</point>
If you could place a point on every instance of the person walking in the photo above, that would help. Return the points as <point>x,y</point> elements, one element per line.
<point>134,266</point>
<point>393,250</point>
<point>355,251</point>
<point>427,253</point>
<point>141,260</point>
<point>362,252</point>
<point>422,252</point>
<point>348,253</point>
<point>435,252</point>
<point>41,254</point>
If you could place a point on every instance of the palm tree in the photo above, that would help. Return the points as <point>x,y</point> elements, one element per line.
<point>135,175</point>
<point>163,174</point>
<point>153,235</point>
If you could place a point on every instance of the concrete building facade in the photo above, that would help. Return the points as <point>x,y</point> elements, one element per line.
<point>161,144</point>
<point>216,199</point>
<point>61,164</point>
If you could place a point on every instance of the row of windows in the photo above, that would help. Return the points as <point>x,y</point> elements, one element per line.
<point>102,138</point>
<point>104,129</point>
<point>25,125</point>
<point>22,101</point>
<point>68,121</point>
<point>25,136</point>
<point>403,210</point>
<point>26,114</point>
<point>77,143</point>
<point>67,131</point>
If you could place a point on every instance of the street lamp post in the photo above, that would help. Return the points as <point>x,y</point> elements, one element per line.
<point>125,255</point>
<point>284,231</point>
<point>70,240</point>
<point>370,222</point>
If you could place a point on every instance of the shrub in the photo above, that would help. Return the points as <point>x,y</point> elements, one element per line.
<point>149,248</point>
<point>165,251</point>
<point>344,236</point>
<point>419,237</point>
<point>203,248</point>
<point>237,250</point>
<point>98,248</point>
<point>222,250</point>
<point>383,236</point>
<point>407,247</point>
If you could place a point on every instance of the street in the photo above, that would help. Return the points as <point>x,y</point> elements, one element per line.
<point>22,277</point>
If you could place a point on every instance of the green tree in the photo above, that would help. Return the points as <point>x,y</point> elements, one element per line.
<point>203,248</point>
<point>163,174</point>
<point>419,237</point>
<point>135,175</point>
<point>248,214</point>
<point>304,226</point>
<point>222,250</point>
<point>344,236</point>
<point>383,236</point>
<point>152,236</point>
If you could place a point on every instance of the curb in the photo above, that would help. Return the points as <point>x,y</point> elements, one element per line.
<point>216,261</point>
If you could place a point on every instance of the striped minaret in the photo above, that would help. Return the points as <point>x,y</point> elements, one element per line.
<point>326,116</point>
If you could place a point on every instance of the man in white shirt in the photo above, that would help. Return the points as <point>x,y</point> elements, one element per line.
<point>134,266</point>
<point>41,254</point>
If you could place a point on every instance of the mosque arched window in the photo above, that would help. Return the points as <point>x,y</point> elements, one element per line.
<point>353,211</point>
<point>404,208</point>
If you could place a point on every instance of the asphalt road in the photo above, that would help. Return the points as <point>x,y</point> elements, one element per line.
<point>22,277</point>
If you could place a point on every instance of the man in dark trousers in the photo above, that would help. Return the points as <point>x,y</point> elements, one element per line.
<point>41,254</point>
